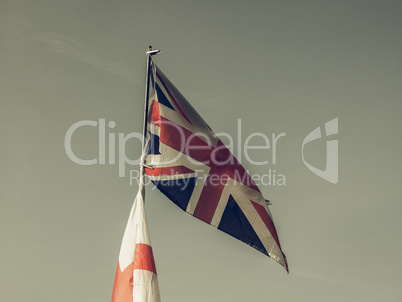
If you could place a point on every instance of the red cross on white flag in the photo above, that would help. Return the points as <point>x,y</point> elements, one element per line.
<point>136,278</point>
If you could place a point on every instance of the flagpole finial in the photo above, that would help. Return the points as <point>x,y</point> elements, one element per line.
<point>152,52</point>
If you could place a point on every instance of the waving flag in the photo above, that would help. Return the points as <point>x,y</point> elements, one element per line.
<point>190,165</point>
<point>136,278</point>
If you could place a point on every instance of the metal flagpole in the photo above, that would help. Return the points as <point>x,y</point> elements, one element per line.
<point>149,54</point>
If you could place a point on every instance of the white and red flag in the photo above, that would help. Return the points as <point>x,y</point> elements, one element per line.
<point>136,279</point>
<point>188,163</point>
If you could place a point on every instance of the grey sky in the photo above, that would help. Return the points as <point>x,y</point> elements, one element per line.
<point>281,67</point>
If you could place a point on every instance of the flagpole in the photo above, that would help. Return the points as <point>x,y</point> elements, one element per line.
<point>149,54</point>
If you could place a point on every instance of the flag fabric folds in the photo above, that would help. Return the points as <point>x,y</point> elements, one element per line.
<point>190,165</point>
<point>136,278</point>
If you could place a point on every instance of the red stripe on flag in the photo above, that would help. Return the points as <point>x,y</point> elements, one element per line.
<point>176,170</point>
<point>154,116</point>
<point>123,285</point>
<point>144,258</point>
<point>184,141</point>
<point>267,220</point>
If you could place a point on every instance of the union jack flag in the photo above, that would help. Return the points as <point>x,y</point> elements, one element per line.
<point>190,165</point>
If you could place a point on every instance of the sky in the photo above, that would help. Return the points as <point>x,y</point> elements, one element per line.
<point>275,67</point>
